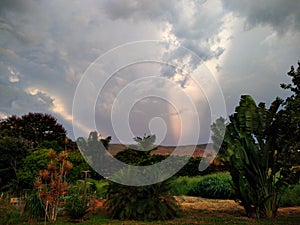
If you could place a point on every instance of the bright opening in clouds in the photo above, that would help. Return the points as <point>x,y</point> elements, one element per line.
<point>46,47</point>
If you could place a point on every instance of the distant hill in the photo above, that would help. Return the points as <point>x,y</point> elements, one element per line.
<point>166,150</point>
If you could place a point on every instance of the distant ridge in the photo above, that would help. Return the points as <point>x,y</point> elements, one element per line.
<point>166,150</point>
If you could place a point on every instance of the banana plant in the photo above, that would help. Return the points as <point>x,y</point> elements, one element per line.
<point>251,156</point>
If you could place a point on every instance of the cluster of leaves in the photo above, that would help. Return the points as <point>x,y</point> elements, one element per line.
<point>213,186</point>
<point>8,213</point>
<point>12,150</point>
<point>260,149</point>
<point>34,206</point>
<point>24,144</point>
<point>76,207</point>
<point>146,203</point>
<point>34,127</point>
<point>51,183</point>
<point>19,137</point>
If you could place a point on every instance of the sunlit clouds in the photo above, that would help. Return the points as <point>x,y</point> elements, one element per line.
<point>237,47</point>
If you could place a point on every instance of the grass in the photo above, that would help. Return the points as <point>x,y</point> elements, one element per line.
<point>197,211</point>
<point>182,185</point>
<point>194,216</point>
<point>201,211</point>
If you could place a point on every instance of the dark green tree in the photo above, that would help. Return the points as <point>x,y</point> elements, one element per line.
<point>32,164</point>
<point>288,119</point>
<point>94,149</point>
<point>34,127</point>
<point>140,153</point>
<point>13,151</point>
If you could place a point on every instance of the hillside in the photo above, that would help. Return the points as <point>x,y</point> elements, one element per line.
<point>166,150</point>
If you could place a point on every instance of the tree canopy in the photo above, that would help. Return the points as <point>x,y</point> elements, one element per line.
<point>33,127</point>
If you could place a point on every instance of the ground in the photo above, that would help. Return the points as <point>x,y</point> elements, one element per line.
<point>198,210</point>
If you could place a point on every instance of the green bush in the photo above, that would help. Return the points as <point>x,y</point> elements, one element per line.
<point>9,214</point>
<point>34,206</point>
<point>182,185</point>
<point>291,196</point>
<point>215,186</point>
<point>100,188</point>
<point>75,207</point>
<point>144,203</point>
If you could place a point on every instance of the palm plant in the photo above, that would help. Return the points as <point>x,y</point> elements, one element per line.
<point>146,203</point>
<point>258,168</point>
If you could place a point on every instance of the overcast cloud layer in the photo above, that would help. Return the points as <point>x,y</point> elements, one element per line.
<point>46,46</point>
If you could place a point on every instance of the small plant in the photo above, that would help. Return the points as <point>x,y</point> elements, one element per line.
<point>291,197</point>
<point>216,186</point>
<point>34,206</point>
<point>51,183</point>
<point>145,203</point>
<point>182,185</point>
<point>9,214</point>
<point>75,207</point>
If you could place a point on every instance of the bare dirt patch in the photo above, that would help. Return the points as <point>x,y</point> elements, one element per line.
<point>215,208</point>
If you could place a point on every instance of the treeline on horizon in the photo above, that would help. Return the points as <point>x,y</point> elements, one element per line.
<point>25,142</point>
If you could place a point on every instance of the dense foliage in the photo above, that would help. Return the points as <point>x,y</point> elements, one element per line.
<point>51,183</point>
<point>288,120</point>
<point>146,203</point>
<point>261,164</point>
<point>258,174</point>
<point>33,127</point>
<point>215,186</point>
<point>12,150</point>
<point>19,137</point>
<point>75,207</point>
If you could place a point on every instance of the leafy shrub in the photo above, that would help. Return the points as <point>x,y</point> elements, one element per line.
<point>291,197</point>
<point>9,214</point>
<point>215,186</point>
<point>145,203</point>
<point>101,188</point>
<point>182,185</point>
<point>34,206</point>
<point>75,207</point>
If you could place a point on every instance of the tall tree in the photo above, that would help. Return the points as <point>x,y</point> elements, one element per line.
<point>13,151</point>
<point>288,119</point>
<point>34,127</point>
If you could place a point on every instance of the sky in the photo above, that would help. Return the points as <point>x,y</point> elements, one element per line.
<point>128,68</point>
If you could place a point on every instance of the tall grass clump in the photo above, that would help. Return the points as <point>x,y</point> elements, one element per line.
<point>182,185</point>
<point>214,186</point>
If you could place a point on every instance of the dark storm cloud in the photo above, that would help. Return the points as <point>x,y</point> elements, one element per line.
<point>195,24</point>
<point>13,5</point>
<point>141,10</point>
<point>281,15</point>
